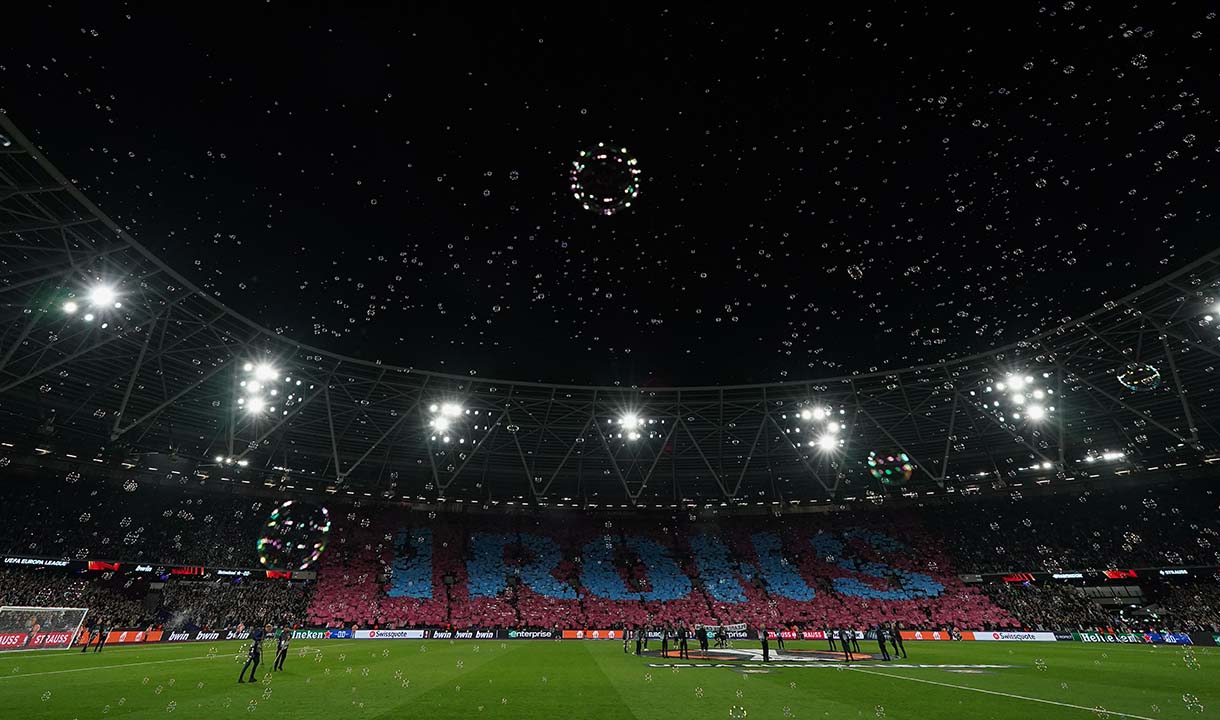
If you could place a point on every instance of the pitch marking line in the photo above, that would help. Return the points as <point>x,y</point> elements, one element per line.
<point>99,667</point>
<point>996,692</point>
<point>111,667</point>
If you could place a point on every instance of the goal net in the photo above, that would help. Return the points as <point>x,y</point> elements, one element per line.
<point>39,628</point>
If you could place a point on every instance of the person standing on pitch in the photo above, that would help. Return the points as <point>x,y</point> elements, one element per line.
<point>779,638</point>
<point>881,641</point>
<point>90,634</point>
<point>647,630</point>
<point>855,641</point>
<point>281,648</point>
<point>639,640</point>
<point>896,640</point>
<point>701,633</point>
<point>683,636</point>
<point>665,640</point>
<point>254,655</point>
<point>846,645</point>
<point>762,635</point>
<point>103,630</point>
<point>830,635</point>
<point>626,639</point>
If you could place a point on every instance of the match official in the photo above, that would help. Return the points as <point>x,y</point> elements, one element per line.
<point>254,655</point>
<point>281,648</point>
<point>881,642</point>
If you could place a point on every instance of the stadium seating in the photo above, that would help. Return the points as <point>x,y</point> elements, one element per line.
<point>389,567</point>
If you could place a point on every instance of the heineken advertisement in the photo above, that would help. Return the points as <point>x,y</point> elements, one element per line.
<point>1135,638</point>
<point>1109,638</point>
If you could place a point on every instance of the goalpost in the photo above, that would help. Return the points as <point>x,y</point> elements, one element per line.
<point>39,628</point>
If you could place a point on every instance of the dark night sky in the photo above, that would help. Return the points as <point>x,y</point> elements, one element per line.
<point>868,186</point>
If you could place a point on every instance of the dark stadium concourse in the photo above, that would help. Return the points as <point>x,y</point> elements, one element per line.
<point>609,362</point>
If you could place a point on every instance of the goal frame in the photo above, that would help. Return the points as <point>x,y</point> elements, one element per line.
<point>36,609</point>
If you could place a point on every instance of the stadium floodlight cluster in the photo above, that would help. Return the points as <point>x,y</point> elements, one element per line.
<point>98,298</point>
<point>632,426</point>
<point>824,425</point>
<point>444,415</point>
<point>1020,396</point>
<point>1131,379</point>
<point>258,389</point>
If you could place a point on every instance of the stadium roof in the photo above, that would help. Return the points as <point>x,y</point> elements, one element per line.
<point>108,353</point>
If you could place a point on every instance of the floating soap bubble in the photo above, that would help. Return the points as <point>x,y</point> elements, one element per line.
<point>890,469</point>
<point>1139,377</point>
<point>1192,703</point>
<point>605,179</point>
<point>294,536</point>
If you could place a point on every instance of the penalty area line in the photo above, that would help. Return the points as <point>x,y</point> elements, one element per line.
<point>997,692</point>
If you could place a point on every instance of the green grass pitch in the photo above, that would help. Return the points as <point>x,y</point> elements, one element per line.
<point>591,679</point>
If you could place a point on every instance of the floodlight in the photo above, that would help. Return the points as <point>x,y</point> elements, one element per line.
<point>828,442</point>
<point>101,295</point>
<point>265,372</point>
<point>441,424</point>
<point>256,404</point>
<point>451,409</point>
<point>70,307</point>
<point>1035,412</point>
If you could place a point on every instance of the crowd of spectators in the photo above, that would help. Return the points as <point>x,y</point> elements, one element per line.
<point>1146,527</point>
<point>51,588</point>
<point>76,518</point>
<point>227,603</point>
<point>389,567</point>
<point>1191,606</point>
<point>1049,607</point>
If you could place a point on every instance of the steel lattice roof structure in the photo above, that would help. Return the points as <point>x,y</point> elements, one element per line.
<point>163,373</point>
